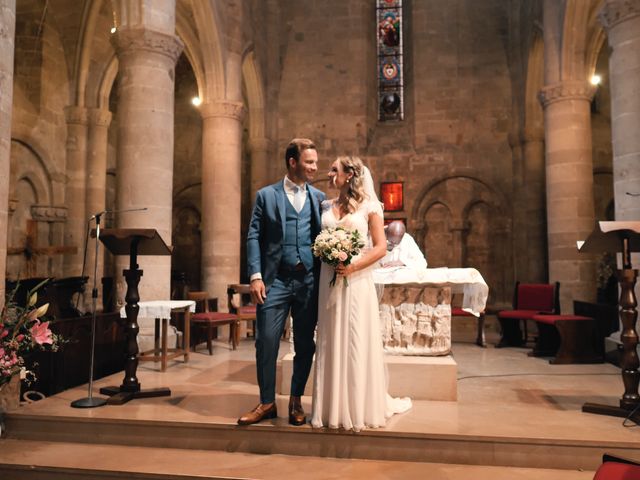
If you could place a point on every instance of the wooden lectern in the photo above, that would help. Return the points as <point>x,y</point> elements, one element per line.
<point>621,237</point>
<point>132,242</point>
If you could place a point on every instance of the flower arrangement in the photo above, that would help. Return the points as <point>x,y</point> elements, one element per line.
<point>21,331</point>
<point>337,245</point>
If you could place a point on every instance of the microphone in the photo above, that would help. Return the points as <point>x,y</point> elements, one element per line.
<point>104,212</point>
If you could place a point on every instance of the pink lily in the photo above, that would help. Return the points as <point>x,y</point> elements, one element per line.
<point>41,334</point>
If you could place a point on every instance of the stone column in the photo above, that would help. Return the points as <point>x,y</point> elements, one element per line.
<point>459,230</point>
<point>145,145</point>
<point>569,182</point>
<point>96,183</point>
<point>7,33</point>
<point>535,249</point>
<point>75,191</point>
<point>221,197</point>
<point>621,19</point>
<point>260,151</point>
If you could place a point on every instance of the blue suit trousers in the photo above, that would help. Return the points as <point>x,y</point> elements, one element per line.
<point>294,292</point>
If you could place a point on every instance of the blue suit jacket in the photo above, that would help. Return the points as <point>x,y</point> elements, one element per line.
<point>266,230</point>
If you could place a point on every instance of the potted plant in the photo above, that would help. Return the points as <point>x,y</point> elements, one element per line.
<point>22,330</point>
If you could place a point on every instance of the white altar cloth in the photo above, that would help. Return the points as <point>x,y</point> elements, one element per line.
<point>160,308</point>
<point>467,281</point>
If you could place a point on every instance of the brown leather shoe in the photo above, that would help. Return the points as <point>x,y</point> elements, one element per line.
<point>258,414</point>
<point>296,413</point>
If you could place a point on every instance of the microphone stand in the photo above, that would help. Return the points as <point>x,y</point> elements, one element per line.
<point>90,401</point>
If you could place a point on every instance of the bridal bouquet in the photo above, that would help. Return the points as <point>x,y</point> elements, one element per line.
<point>21,331</point>
<point>337,245</point>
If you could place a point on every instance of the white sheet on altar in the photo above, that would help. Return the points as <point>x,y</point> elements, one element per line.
<point>467,281</point>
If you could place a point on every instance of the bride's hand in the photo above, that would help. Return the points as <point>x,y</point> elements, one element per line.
<point>345,270</point>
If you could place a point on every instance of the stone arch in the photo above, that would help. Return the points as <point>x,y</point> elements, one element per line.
<point>534,119</point>
<point>581,35</point>
<point>207,19</point>
<point>252,78</point>
<point>436,232</point>
<point>596,37</point>
<point>576,15</point>
<point>30,185</point>
<point>32,168</point>
<point>191,50</point>
<point>90,16</point>
<point>186,236</point>
<point>184,30</point>
<point>461,219</point>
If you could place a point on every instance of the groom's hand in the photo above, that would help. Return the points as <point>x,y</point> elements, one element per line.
<point>258,291</point>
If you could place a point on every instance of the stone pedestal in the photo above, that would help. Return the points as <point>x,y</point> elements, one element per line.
<point>420,378</point>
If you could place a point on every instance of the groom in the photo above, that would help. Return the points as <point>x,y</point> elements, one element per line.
<point>284,276</point>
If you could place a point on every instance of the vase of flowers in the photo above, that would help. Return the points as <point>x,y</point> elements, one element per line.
<point>22,330</point>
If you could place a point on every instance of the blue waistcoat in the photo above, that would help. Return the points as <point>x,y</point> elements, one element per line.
<point>297,236</point>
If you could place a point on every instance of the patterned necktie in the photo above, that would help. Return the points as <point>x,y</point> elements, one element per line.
<point>298,198</point>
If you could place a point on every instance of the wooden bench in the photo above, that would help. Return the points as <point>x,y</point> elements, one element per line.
<point>568,338</point>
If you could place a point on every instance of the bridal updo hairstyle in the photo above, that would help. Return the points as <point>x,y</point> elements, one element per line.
<point>355,193</point>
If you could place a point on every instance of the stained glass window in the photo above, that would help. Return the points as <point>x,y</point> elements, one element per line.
<point>390,74</point>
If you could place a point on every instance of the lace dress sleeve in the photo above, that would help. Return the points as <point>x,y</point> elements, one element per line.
<point>373,206</point>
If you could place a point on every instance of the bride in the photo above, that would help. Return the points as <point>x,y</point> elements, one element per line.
<point>350,389</point>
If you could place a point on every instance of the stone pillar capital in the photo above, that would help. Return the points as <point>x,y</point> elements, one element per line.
<point>76,115</point>
<point>132,40</point>
<point>224,108</point>
<point>260,144</point>
<point>49,213</point>
<point>614,12</point>
<point>100,117</point>
<point>569,90</point>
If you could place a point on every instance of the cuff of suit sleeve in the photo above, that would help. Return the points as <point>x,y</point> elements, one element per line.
<point>255,276</point>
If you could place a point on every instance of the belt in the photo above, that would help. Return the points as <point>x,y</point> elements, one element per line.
<point>297,268</point>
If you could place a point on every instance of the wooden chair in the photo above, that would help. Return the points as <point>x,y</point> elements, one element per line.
<point>529,299</point>
<point>204,318</point>
<point>239,303</point>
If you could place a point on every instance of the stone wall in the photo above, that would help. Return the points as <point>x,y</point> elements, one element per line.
<point>454,138</point>
<point>38,132</point>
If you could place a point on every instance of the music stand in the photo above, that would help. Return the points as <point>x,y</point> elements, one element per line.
<point>621,237</point>
<point>132,242</point>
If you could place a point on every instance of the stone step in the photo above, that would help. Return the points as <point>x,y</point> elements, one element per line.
<point>42,460</point>
<point>279,438</point>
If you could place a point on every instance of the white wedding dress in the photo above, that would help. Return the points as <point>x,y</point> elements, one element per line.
<point>350,388</point>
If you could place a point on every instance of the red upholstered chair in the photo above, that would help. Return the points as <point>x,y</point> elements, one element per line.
<point>205,319</point>
<point>529,299</point>
<point>615,468</point>
<point>238,299</point>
